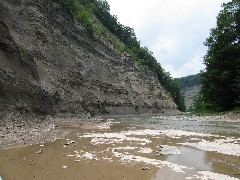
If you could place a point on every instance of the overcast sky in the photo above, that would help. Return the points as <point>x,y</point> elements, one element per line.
<point>174,30</point>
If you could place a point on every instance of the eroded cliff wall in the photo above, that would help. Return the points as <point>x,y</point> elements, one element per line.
<point>50,65</point>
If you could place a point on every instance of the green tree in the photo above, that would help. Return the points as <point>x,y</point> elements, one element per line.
<point>221,79</point>
<point>189,81</point>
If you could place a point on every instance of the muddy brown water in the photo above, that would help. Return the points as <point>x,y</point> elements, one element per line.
<point>63,160</point>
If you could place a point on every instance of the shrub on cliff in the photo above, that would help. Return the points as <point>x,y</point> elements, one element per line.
<point>80,13</point>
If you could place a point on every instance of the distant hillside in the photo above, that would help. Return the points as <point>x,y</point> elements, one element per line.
<point>190,86</point>
<point>189,81</point>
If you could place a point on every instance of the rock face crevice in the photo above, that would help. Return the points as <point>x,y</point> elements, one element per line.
<point>49,65</point>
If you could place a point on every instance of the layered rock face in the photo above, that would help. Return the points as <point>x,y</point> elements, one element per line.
<point>50,65</point>
<point>190,93</point>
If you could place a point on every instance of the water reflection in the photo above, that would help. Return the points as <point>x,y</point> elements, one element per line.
<point>191,157</point>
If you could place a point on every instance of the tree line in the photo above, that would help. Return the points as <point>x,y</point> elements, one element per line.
<point>189,81</point>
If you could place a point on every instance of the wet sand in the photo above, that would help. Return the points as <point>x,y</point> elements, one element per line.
<point>53,160</point>
<point>103,150</point>
<point>24,163</point>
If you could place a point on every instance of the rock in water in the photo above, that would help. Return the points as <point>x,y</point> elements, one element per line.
<point>169,150</point>
<point>145,168</point>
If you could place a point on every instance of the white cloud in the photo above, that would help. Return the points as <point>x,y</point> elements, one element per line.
<point>173,29</point>
<point>190,67</point>
<point>164,46</point>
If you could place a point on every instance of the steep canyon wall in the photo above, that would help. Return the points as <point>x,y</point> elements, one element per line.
<point>50,65</point>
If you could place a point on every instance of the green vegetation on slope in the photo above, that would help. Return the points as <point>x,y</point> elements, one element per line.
<point>189,81</point>
<point>221,79</point>
<point>81,14</point>
<point>85,10</point>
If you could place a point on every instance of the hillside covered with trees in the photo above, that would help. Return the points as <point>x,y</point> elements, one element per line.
<point>85,12</point>
<point>221,78</point>
<point>189,81</point>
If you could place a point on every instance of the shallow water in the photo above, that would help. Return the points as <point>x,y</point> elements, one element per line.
<point>133,147</point>
<point>191,157</point>
<point>219,154</point>
<point>200,125</point>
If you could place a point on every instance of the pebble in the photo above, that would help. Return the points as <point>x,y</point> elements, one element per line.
<point>69,142</point>
<point>70,155</point>
<point>39,152</point>
<point>145,168</point>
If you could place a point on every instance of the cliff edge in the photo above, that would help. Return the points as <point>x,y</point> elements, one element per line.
<point>50,65</point>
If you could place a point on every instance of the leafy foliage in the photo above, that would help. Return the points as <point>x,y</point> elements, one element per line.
<point>151,87</point>
<point>84,10</point>
<point>221,79</point>
<point>198,105</point>
<point>81,14</point>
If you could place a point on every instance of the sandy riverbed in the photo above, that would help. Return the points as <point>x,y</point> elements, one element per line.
<point>106,150</point>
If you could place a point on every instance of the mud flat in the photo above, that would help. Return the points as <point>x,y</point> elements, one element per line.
<point>117,149</point>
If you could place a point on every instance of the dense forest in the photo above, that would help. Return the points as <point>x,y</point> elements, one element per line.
<point>85,12</point>
<point>221,78</point>
<point>189,81</point>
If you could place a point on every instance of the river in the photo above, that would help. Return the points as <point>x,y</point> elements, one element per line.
<point>133,147</point>
<point>215,155</point>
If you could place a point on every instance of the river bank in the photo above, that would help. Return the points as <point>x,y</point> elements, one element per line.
<point>117,148</point>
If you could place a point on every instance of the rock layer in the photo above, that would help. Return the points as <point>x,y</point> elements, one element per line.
<point>50,65</point>
<point>190,93</point>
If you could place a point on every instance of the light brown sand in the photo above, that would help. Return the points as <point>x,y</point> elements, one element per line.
<point>23,163</point>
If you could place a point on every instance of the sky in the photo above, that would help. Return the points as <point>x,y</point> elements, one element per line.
<point>174,30</point>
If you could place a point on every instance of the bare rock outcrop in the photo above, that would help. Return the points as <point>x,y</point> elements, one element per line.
<point>49,65</point>
<point>190,93</point>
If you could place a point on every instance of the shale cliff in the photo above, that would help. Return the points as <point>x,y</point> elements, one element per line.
<point>190,87</point>
<point>50,65</point>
